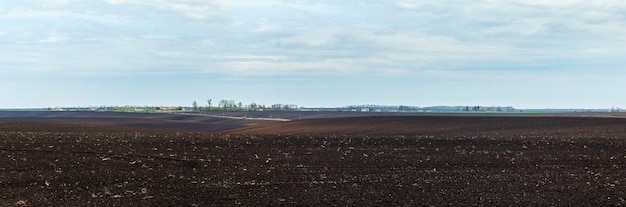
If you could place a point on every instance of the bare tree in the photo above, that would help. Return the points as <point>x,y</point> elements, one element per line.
<point>195,105</point>
<point>227,104</point>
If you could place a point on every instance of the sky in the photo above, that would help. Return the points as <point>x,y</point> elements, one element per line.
<point>315,53</point>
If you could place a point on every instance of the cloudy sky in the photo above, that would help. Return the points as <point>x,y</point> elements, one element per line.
<point>521,53</point>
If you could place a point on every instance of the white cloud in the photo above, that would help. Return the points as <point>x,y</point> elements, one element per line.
<point>577,4</point>
<point>406,4</point>
<point>68,16</point>
<point>54,39</point>
<point>197,10</point>
<point>312,38</point>
<point>274,36</point>
<point>305,5</point>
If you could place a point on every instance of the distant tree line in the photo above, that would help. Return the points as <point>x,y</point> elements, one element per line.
<point>381,108</point>
<point>489,109</point>
<point>403,108</point>
<point>232,105</point>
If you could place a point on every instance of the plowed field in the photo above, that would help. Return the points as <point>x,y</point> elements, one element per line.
<point>358,161</point>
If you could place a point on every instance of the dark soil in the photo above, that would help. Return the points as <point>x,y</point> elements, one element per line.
<point>446,126</point>
<point>180,122</point>
<point>411,161</point>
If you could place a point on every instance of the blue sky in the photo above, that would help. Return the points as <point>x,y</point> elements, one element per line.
<point>521,53</point>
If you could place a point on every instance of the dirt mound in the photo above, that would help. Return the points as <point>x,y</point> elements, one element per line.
<point>442,125</point>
